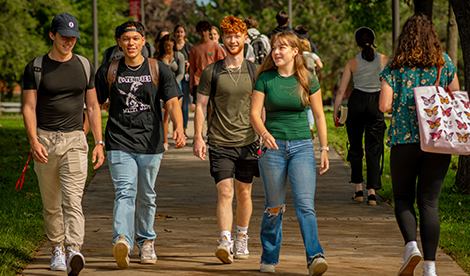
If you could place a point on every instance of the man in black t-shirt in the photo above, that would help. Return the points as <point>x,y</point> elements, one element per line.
<point>134,140</point>
<point>53,117</point>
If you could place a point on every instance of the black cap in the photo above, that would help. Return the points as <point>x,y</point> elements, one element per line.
<point>66,25</point>
<point>131,26</point>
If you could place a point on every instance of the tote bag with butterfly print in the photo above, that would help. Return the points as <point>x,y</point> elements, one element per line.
<point>444,119</point>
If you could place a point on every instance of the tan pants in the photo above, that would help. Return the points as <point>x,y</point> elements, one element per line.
<point>61,182</point>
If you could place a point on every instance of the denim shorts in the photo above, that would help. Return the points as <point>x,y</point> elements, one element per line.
<point>225,162</point>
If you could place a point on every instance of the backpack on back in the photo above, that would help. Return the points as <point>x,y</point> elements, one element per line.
<point>258,47</point>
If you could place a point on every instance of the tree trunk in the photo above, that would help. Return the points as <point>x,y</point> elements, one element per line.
<point>424,6</point>
<point>462,13</point>
<point>452,37</point>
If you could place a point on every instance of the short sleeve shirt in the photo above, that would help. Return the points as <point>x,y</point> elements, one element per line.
<point>230,126</point>
<point>61,93</point>
<point>135,118</point>
<point>404,127</point>
<point>286,116</point>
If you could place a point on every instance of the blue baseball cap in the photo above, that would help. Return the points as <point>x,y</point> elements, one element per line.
<point>66,25</point>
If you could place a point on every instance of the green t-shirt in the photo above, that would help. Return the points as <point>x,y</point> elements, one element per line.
<point>286,116</point>
<point>231,125</point>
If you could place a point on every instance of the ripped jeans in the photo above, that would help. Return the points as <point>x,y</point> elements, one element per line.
<point>296,160</point>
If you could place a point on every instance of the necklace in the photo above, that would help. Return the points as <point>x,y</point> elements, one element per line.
<point>232,70</point>
<point>132,69</point>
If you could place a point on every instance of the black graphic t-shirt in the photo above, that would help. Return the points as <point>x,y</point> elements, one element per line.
<point>61,93</point>
<point>135,118</point>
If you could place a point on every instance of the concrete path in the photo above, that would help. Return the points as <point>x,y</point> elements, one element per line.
<point>357,239</point>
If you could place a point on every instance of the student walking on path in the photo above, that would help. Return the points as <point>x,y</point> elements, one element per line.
<point>285,87</point>
<point>232,141</point>
<point>53,117</point>
<point>364,116</point>
<point>415,174</point>
<point>134,139</point>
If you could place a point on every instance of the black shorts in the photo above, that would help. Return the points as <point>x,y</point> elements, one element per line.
<point>241,161</point>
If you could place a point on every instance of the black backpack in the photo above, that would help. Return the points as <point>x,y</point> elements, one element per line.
<point>258,48</point>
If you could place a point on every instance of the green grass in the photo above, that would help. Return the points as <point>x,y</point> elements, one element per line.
<point>21,220</point>
<point>454,206</point>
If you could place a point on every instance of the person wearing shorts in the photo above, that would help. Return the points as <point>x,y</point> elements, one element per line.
<point>233,143</point>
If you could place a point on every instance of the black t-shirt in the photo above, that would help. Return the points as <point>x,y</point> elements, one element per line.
<point>135,118</point>
<point>61,93</point>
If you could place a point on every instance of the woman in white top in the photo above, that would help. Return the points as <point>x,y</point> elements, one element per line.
<point>364,116</point>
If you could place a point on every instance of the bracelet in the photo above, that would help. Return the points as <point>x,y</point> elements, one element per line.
<point>99,143</point>
<point>262,135</point>
<point>325,148</point>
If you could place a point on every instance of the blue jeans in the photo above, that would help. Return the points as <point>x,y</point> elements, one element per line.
<point>134,177</point>
<point>186,102</point>
<point>296,160</point>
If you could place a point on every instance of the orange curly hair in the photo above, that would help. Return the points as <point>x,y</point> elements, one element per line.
<point>232,24</point>
<point>417,45</point>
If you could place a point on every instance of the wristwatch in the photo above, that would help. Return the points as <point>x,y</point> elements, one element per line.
<point>99,143</point>
<point>325,148</point>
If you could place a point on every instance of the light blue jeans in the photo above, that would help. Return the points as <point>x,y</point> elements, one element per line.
<point>134,177</point>
<point>296,160</point>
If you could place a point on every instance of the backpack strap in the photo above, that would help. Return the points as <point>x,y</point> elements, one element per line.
<point>175,56</point>
<point>37,67</point>
<point>245,49</point>
<point>154,71</point>
<point>112,72</point>
<point>252,71</point>
<point>86,66</point>
<point>214,81</point>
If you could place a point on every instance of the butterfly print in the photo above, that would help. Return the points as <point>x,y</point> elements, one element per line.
<point>444,100</point>
<point>435,123</point>
<point>436,135</point>
<point>430,112</point>
<point>448,136</point>
<point>446,112</point>
<point>430,100</point>
<point>462,138</point>
<point>466,104</point>
<point>461,125</point>
<point>460,114</point>
<point>467,113</point>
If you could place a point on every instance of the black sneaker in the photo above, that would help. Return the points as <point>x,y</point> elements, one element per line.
<point>371,200</point>
<point>358,196</point>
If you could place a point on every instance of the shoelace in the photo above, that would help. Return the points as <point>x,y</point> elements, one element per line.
<point>241,244</point>
<point>147,250</point>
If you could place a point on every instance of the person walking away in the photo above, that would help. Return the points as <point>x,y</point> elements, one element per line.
<point>53,118</point>
<point>259,42</point>
<point>416,175</point>
<point>184,46</point>
<point>202,54</point>
<point>232,141</point>
<point>175,60</point>
<point>282,19</point>
<point>364,116</point>
<point>285,87</point>
<point>134,139</point>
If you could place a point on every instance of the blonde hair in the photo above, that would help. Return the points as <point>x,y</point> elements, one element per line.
<point>305,45</point>
<point>302,74</point>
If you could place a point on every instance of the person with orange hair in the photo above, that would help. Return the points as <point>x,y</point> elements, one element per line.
<point>226,85</point>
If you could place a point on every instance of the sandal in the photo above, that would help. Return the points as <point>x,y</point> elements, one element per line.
<point>358,196</point>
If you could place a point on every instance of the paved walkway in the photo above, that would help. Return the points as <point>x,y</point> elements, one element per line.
<point>357,239</point>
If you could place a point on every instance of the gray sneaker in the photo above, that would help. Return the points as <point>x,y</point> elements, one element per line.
<point>147,253</point>
<point>58,259</point>
<point>241,247</point>
<point>121,252</point>
<point>224,251</point>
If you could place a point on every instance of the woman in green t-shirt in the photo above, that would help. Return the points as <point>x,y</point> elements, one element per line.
<point>285,87</point>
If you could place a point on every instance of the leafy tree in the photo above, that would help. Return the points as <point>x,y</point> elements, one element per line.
<point>462,13</point>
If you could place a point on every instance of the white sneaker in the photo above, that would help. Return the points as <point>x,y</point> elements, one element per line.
<point>241,247</point>
<point>267,268</point>
<point>410,260</point>
<point>75,262</point>
<point>317,267</point>
<point>58,259</point>
<point>429,269</point>
<point>224,251</point>
<point>121,252</point>
<point>147,253</point>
